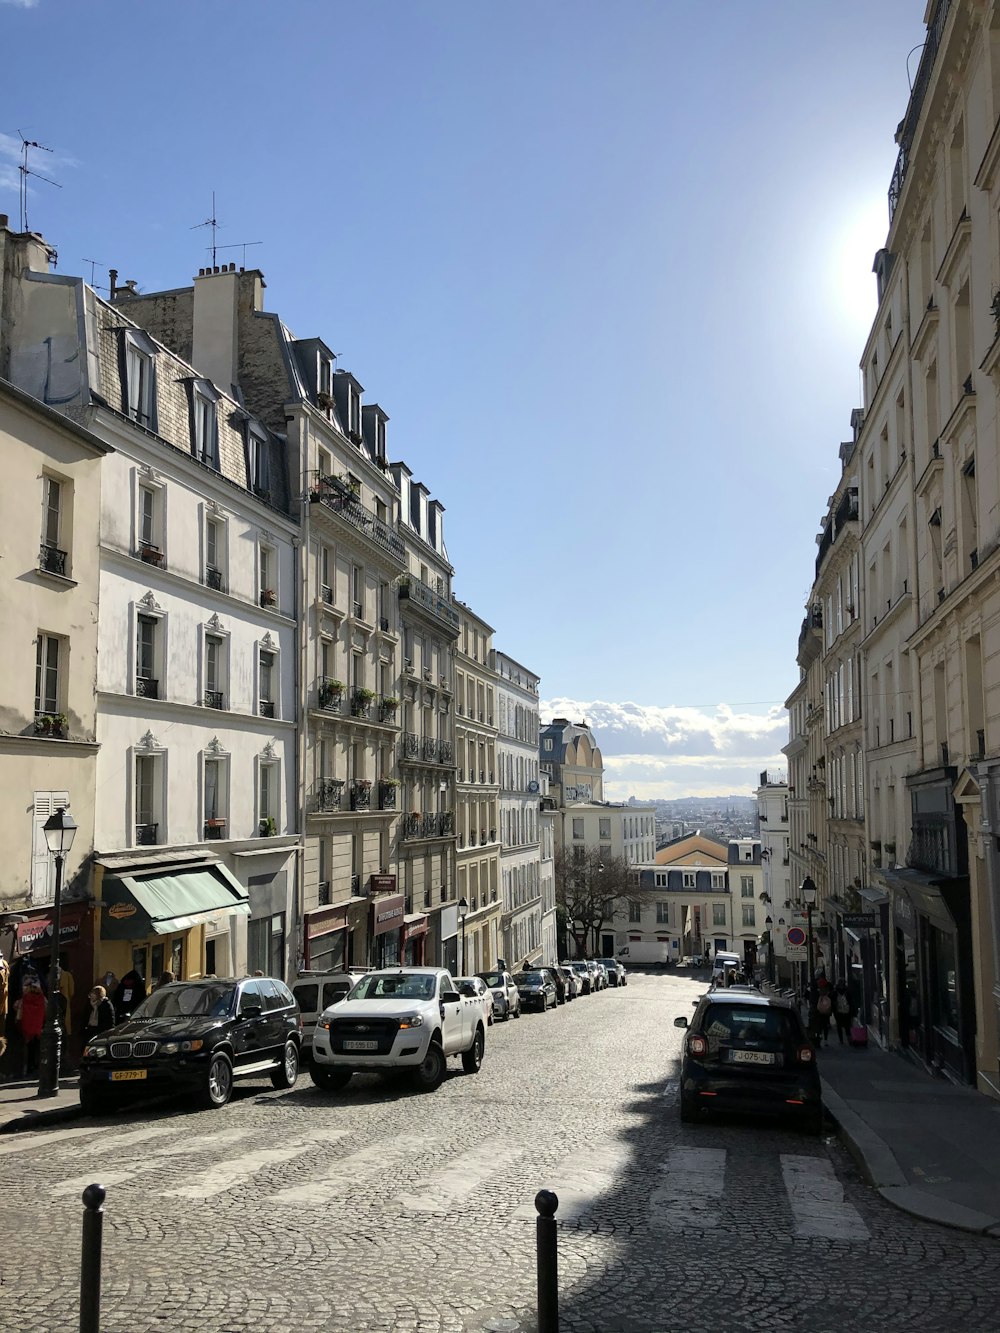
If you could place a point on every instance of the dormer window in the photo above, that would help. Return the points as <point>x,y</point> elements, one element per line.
<point>258,462</point>
<point>353,412</point>
<point>205,423</point>
<point>140,378</point>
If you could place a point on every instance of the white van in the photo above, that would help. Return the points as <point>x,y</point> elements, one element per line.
<point>316,991</point>
<point>725,962</point>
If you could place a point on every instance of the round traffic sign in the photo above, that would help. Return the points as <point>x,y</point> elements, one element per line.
<point>795,935</point>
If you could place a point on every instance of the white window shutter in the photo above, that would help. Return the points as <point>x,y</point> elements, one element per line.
<point>43,866</point>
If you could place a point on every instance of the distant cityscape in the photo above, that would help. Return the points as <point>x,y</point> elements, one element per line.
<point>719,817</point>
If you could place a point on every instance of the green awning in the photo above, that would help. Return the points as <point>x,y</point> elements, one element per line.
<point>136,906</point>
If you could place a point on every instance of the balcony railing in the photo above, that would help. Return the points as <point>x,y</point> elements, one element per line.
<point>147,687</point>
<point>327,795</point>
<point>213,579</point>
<point>267,708</point>
<point>213,699</point>
<point>387,706</point>
<point>146,834</point>
<point>429,747</point>
<point>330,694</point>
<point>935,30</point>
<point>445,752</point>
<point>410,748</point>
<point>338,496</point>
<point>387,796</point>
<point>215,829</point>
<point>439,825</point>
<point>415,590</point>
<point>361,795</point>
<point>52,560</point>
<point>150,553</point>
<point>361,703</point>
<point>324,896</point>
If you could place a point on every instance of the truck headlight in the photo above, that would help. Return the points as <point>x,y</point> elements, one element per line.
<point>410,1021</point>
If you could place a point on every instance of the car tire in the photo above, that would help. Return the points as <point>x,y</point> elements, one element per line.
<point>218,1082</point>
<point>429,1074</point>
<point>689,1110</point>
<point>288,1071</point>
<point>94,1101</point>
<point>329,1080</point>
<point>517,1011</point>
<point>472,1059</point>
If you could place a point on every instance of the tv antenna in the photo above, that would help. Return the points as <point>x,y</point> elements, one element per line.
<point>212,222</point>
<point>25,170</point>
<point>237,245</point>
<point>93,266</point>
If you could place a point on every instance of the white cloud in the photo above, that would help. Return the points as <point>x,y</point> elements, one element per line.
<point>20,4</point>
<point>653,750</point>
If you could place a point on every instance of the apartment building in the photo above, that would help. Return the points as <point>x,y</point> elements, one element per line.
<point>517,759</point>
<point>773,820</point>
<point>683,907</point>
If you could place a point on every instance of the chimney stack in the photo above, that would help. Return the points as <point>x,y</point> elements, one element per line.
<point>113,282</point>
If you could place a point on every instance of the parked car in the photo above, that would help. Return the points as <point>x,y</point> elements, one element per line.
<point>572,982</point>
<point>558,981</point>
<point>506,1000</point>
<point>536,989</point>
<point>476,988</point>
<point>583,975</point>
<point>399,1018</point>
<point>195,1037</point>
<point>622,973</point>
<point>612,969</point>
<point>317,991</point>
<point>748,1052</point>
<point>598,973</point>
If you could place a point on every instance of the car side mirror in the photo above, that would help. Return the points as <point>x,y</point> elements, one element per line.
<point>680,1022</point>
<point>696,1003</point>
<point>251,1011</point>
<point>450,997</point>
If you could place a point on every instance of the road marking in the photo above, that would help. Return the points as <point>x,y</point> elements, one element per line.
<point>77,1184</point>
<point>441,1192</point>
<point>817,1200</point>
<point>21,1141</point>
<point>580,1181</point>
<point>366,1167</point>
<point>202,1142</point>
<point>111,1142</point>
<point>225,1175</point>
<point>690,1191</point>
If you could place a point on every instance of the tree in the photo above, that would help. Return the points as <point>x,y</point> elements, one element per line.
<point>588,884</point>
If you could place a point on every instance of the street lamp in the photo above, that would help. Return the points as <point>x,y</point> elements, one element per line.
<point>59,830</point>
<point>463,908</point>
<point>769,927</point>
<point>809,898</point>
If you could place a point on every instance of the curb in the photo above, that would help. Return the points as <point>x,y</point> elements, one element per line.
<point>880,1169</point>
<point>28,1120</point>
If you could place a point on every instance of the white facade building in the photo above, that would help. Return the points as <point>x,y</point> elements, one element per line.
<point>772,819</point>
<point>517,757</point>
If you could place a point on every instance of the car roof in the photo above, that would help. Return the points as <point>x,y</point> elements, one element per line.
<point>734,995</point>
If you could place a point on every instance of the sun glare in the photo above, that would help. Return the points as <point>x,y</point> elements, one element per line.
<point>852,246</point>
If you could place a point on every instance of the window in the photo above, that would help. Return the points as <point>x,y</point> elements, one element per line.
<point>147,790</point>
<point>205,424</point>
<point>660,879</point>
<point>215,554</point>
<point>258,463</point>
<point>215,792</point>
<point>147,683</point>
<point>634,913</point>
<point>718,879</point>
<point>605,828</point>
<point>215,663</point>
<point>43,866</point>
<point>548,743</point>
<point>718,914</point>
<point>52,559</point>
<point>268,571</point>
<point>577,828</point>
<point>267,798</point>
<point>663,914</point>
<point>749,918</point>
<point>48,652</point>
<point>266,684</point>
<point>358,591</point>
<point>266,948</point>
<point>746,886</point>
<point>148,525</point>
<point>140,379</point>
<point>689,880</point>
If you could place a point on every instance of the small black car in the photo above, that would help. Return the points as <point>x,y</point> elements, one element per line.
<point>747,1052</point>
<point>558,981</point>
<point>196,1036</point>
<point>537,990</point>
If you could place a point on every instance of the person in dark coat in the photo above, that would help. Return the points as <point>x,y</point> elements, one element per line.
<point>130,993</point>
<point>100,1016</point>
<point>820,1008</point>
<point>843,1010</point>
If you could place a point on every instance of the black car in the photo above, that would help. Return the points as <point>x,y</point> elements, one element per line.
<point>613,971</point>
<point>558,981</point>
<point>196,1037</point>
<point>537,990</point>
<point>747,1052</point>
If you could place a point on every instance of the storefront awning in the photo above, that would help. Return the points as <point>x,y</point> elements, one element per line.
<point>414,924</point>
<point>924,892</point>
<point>136,906</point>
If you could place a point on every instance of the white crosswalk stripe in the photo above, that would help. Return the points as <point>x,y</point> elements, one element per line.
<point>690,1190</point>
<point>28,1140</point>
<point>226,1175</point>
<point>456,1183</point>
<point>817,1200</point>
<point>366,1167</point>
<point>581,1180</point>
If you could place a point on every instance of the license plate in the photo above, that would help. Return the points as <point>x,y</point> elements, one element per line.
<point>360,1045</point>
<point>752,1057</point>
<point>127,1075</point>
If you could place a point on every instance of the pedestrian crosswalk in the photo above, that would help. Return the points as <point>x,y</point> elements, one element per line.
<point>316,1168</point>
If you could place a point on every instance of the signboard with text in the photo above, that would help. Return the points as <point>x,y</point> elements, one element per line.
<point>797,938</point>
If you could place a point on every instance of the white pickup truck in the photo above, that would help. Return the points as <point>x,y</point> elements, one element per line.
<point>398,1018</point>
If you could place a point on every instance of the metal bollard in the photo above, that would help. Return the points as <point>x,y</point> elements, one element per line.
<point>90,1260</point>
<point>546,1203</point>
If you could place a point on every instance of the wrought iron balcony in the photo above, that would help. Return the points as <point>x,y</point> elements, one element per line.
<point>147,687</point>
<point>387,708</point>
<point>324,896</point>
<point>330,694</point>
<point>412,825</point>
<point>326,593</point>
<point>387,795</point>
<point>415,590</point>
<point>327,795</point>
<point>52,560</point>
<point>361,794</point>
<point>213,579</point>
<point>410,748</point>
<point>213,699</point>
<point>431,826</point>
<point>146,834</point>
<point>445,752</point>
<point>337,496</point>
<point>429,748</point>
<point>361,703</point>
<point>267,708</point>
<point>493,835</point>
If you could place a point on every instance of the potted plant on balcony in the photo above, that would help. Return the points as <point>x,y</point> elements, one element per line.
<point>324,400</point>
<point>267,828</point>
<point>150,553</point>
<point>51,724</point>
<point>330,692</point>
<point>268,597</point>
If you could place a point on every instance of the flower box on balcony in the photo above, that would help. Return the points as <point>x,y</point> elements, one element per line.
<point>324,400</point>
<point>150,553</point>
<point>267,828</point>
<point>52,724</point>
<point>268,597</point>
<point>330,692</point>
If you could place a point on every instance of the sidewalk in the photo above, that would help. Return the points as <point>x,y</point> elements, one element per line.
<point>22,1108</point>
<point>927,1146</point>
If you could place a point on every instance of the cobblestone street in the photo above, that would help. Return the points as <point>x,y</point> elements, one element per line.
<point>382,1209</point>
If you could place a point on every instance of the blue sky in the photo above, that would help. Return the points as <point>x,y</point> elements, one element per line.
<point>605,265</point>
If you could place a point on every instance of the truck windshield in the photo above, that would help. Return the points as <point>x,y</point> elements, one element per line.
<point>395,986</point>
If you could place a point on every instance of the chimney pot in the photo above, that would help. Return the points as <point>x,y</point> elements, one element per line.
<point>3,219</point>
<point>216,269</point>
<point>113,282</point>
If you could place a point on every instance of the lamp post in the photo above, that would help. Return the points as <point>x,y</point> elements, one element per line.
<point>59,830</point>
<point>809,898</point>
<point>769,927</point>
<point>463,908</point>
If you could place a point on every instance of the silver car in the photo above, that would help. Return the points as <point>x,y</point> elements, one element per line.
<point>506,999</point>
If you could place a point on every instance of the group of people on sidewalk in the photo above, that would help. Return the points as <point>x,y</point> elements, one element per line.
<point>832,1005</point>
<point>24,990</point>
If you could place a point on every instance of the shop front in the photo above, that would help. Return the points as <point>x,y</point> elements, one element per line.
<point>156,919</point>
<point>449,937</point>
<point>29,945</point>
<point>386,929</point>
<point>414,939</point>
<point>327,933</point>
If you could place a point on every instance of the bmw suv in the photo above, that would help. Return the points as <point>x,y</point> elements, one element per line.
<point>196,1037</point>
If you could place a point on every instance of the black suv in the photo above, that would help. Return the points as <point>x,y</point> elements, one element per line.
<point>196,1036</point>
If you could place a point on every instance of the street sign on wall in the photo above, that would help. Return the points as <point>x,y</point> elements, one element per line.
<point>796,938</point>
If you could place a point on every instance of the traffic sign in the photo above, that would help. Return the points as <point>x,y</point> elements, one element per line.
<point>795,935</point>
<point>795,944</point>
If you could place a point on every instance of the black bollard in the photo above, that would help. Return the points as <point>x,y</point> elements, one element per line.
<point>546,1203</point>
<point>90,1261</point>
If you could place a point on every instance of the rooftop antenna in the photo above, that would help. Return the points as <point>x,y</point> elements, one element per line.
<point>93,265</point>
<point>237,245</point>
<point>212,222</point>
<point>26,171</point>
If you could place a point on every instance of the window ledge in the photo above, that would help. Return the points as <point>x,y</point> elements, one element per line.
<point>57,580</point>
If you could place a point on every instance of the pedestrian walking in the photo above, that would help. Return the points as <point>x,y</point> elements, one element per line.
<point>30,1021</point>
<point>101,1015</point>
<point>129,995</point>
<point>820,1008</point>
<point>842,1011</point>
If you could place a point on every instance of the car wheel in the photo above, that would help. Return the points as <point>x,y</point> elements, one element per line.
<point>288,1071</point>
<point>472,1059</point>
<point>429,1074</point>
<point>517,1011</point>
<point>689,1110</point>
<point>218,1082</point>
<point>329,1080</point>
<point>94,1101</point>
